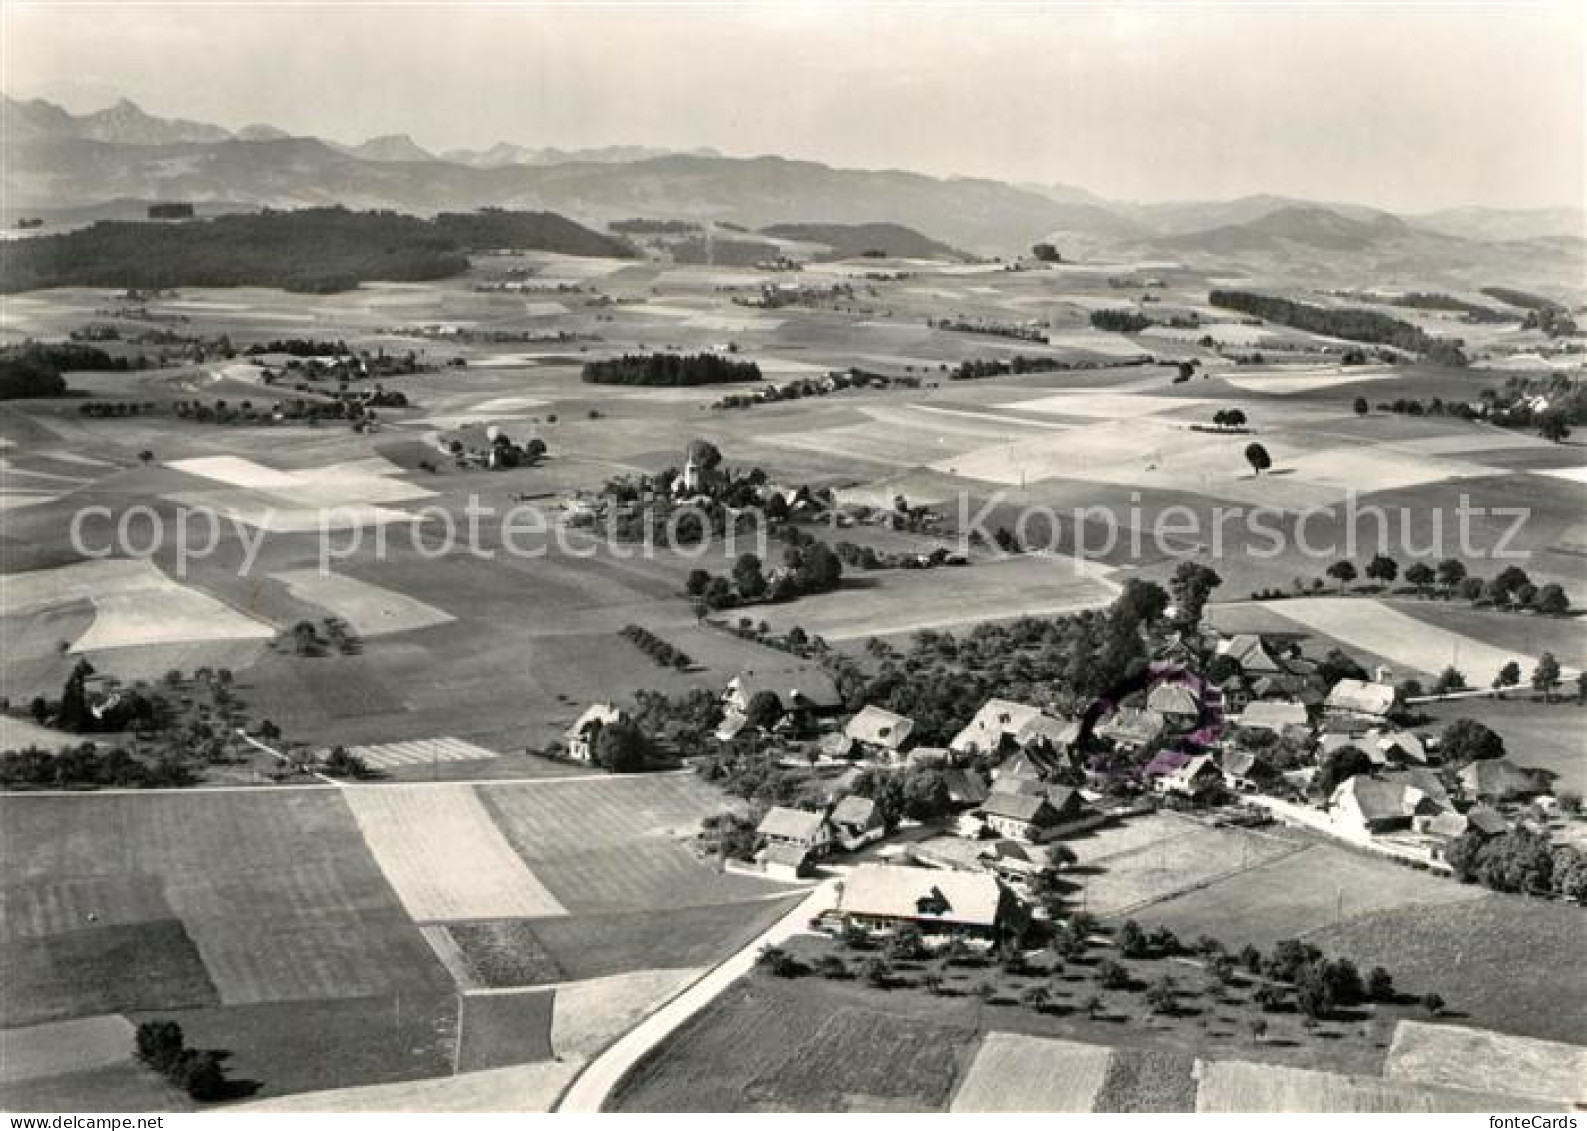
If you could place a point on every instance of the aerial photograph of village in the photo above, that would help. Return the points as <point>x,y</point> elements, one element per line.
<point>793,557</point>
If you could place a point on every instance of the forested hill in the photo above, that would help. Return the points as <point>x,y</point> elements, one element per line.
<point>850,240</point>
<point>317,250</point>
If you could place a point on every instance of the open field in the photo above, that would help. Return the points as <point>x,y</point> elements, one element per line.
<point>503,1029</point>
<point>590,1014</point>
<point>64,1046</point>
<point>368,609</point>
<point>1451,1056</point>
<point>269,921</point>
<point>521,1088</point>
<point>1240,1086</point>
<point>444,857</point>
<point>526,952</point>
<point>1304,892</point>
<point>1410,642</point>
<point>1481,954</point>
<point>1012,1072</point>
<point>617,844</point>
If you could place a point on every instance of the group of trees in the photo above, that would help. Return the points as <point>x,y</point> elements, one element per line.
<point>34,369</point>
<point>1520,861</point>
<point>89,765</point>
<point>1120,321</point>
<point>1342,322</point>
<point>963,325</point>
<point>974,369</point>
<point>1229,419</point>
<point>1470,311</point>
<point>919,793</point>
<point>304,639</point>
<point>670,369</point>
<point>316,250</point>
<point>200,1073</point>
<point>809,566</point>
<point>656,648</point>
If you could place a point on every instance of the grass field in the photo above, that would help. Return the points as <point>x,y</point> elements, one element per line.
<point>1410,642</point>
<point>589,1015</point>
<point>1452,1056</point>
<point>1147,1080</point>
<point>1482,955</point>
<point>1306,892</point>
<point>618,843</point>
<point>524,952</point>
<point>519,1089</point>
<point>64,1046</point>
<point>270,921</point>
<point>443,855</point>
<point>503,1029</point>
<point>368,609</point>
<point>1186,855</point>
<point>779,1052</point>
<point>1240,1086</point>
<point>1012,1072</point>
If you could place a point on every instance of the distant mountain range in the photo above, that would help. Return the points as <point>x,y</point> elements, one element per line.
<point>55,162</point>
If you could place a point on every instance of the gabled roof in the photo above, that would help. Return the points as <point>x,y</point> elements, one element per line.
<point>790,855</point>
<point>1252,654</point>
<point>1057,733</point>
<point>1014,783</point>
<point>1165,762</point>
<point>855,810</point>
<point>928,894</point>
<point>1486,820</point>
<point>1032,764</point>
<point>1019,807</point>
<point>596,713</point>
<point>793,687</point>
<point>1498,777</point>
<point>996,719</point>
<point>1425,780</point>
<point>1274,715</point>
<point>1382,800</point>
<point>964,787</point>
<point>791,824</point>
<point>1173,699</point>
<point>1238,763</point>
<point>1192,769</point>
<point>1066,801</point>
<point>876,726</point>
<point>1401,744</point>
<point>1361,697</point>
<point>1133,724</point>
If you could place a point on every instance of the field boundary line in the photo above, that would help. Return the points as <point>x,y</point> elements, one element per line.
<point>1208,882</point>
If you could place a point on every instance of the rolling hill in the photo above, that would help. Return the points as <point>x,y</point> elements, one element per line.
<point>847,241</point>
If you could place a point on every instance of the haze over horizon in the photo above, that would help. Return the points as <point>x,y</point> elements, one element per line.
<point>1410,108</point>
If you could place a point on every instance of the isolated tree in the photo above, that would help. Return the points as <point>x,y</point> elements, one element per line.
<point>1380,985</point>
<point>1509,580</point>
<point>1338,766</point>
<point>622,748</point>
<point>1037,997</point>
<point>1256,455</point>
<point>763,710</point>
<point>1546,675</point>
<point>1191,585</point>
<point>1450,679</point>
<point>159,1044</point>
<point>1451,572</point>
<point>1235,418</point>
<point>1422,576</point>
<point>1554,425</point>
<point>1162,996</point>
<point>1525,596</point>
<point>1383,568</point>
<point>705,454</point>
<point>1466,740</point>
<point>1509,676</point>
<point>1046,253</point>
<point>1551,600</point>
<point>1361,406</point>
<point>747,577</point>
<point>145,457</point>
<point>698,580</point>
<point>1343,572</point>
<point>1433,1003</point>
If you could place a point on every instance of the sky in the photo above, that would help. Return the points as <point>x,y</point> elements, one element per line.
<point>1412,107</point>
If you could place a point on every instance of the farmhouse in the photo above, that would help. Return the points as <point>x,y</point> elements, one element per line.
<point>876,731</point>
<point>1195,777</point>
<point>856,822</point>
<point>1045,734</point>
<point>965,787</point>
<point>1176,703</point>
<point>998,721</point>
<point>1243,771</point>
<point>803,694</point>
<point>1370,807</point>
<point>1020,815</point>
<point>1498,779</point>
<point>887,896</point>
<point>1274,715</point>
<point>1034,764</point>
<point>585,732</point>
<point>1130,728</point>
<point>1360,701</point>
<point>796,828</point>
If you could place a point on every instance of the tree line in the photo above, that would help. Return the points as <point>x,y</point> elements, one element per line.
<point>34,369</point>
<point>1342,322</point>
<point>670,369</point>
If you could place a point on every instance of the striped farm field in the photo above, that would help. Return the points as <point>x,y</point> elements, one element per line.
<point>439,849</point>
<point>276,891</point>
<point>421,752</point>
<point>616,843</point>
<point>1014,1072</point>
